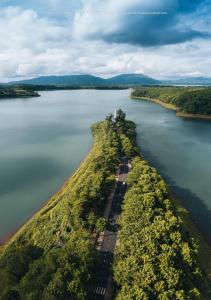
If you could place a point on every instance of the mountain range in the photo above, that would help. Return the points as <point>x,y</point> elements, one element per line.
<point>90,80</point>
<point>119,80</point>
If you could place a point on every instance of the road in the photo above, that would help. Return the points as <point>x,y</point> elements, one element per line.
<point>106,249</point>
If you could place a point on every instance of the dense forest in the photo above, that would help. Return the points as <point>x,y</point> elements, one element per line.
<point>194,100</point>
<point>17,92</point>
<point>156,257</point>
<point>52,256</point>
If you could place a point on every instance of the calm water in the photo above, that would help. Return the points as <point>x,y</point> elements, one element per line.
<point>43,140</point>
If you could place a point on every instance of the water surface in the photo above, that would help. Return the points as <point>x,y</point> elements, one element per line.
<point>43,140</point>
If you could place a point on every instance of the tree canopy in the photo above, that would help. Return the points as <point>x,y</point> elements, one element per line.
<point>195,100</point>
<point>155,258</point>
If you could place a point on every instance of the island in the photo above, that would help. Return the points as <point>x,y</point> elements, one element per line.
<point>112,231</point>
<point>189,102</point>
<point>17,92</point>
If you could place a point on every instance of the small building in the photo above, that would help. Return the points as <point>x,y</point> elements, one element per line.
<point>115,115</point>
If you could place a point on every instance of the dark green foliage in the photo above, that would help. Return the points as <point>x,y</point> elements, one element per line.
<point>120,116</point>
<point>63,273</point>
<point>101,225</point>
<point>195,100</point>
<point>127,135</point>
<point>16,92</point>
<point>156,258</point>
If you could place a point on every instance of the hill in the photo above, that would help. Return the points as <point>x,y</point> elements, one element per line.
<point>75,80</point>
<point>132,79</point>
<point>89,80</point>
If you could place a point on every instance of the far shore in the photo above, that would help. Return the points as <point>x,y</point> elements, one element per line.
<point>174,108</point>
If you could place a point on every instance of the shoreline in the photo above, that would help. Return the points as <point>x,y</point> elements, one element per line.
<point>10,236</point>
<point>193,227</point>
<point>176,109</point>
<point>166,105</point>
<point>193,116</point>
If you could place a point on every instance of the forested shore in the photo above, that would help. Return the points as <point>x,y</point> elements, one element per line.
<point>192,102</point>
<point>17,92</point>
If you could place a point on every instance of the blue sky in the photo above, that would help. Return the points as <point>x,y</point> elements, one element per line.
<point>161,38</point>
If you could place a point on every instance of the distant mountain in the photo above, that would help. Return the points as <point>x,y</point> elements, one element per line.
<point>90,80</point>
<point>190,80</point>
<point>75,80</point>
<point>132,79</point>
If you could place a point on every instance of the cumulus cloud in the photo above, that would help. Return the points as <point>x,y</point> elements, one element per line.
<point>24,36</point>
<point>33,44</point>
<point>138,22</point>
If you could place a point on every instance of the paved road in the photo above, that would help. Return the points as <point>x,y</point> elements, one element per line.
<point>106,250</point>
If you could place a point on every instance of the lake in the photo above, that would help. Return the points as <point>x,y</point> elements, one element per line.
<point>43,140</point>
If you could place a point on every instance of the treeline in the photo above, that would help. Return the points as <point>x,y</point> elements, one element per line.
<point>195,100</point>
<point>17,92</point>
<point>54,87</point>
<point>155,258</point>
<point>53,255</point>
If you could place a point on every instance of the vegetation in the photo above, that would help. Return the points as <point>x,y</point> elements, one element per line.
<point>194,100</point>
<point>52,256</point>
<point>54,87</point>
<point>156,258</point>
<point>16,92</point>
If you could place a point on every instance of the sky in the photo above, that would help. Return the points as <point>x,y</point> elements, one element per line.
<point>160,38</point>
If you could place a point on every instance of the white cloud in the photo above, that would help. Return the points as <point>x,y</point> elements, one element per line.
<point>31,45</point>
<point>138,22</point>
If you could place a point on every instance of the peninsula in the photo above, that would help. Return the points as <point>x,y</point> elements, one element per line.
<point>111,232</point>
